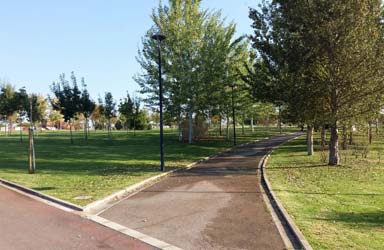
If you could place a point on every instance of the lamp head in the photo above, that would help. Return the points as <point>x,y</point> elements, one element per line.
<point>158,37</point>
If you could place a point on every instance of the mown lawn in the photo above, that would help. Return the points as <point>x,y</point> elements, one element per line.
<point>100,166</point>
<point>335,207</point>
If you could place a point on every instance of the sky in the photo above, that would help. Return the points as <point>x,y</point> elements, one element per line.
<point>97,39</point>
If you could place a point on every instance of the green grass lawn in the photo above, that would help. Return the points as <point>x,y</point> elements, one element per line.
<point>99,166</point>
<point>335,207</point>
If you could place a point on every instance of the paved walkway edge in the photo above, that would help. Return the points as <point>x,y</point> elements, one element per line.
<point>52,201</point>
<point>287,227</point>
<point>132,233</point>
<point>101,205</point>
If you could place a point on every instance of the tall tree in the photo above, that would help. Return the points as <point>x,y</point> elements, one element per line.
<point>109,111</point>
<point>20,103</point>
<point>67,99</point>
<point>126,110</point>
<point>196,56</point>
<point>327,55</point>
<point>87,105</point>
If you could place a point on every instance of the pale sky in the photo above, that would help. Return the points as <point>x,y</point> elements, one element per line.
<point>98,39</point>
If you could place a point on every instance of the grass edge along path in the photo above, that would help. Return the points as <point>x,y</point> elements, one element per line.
<point>99,167</point>
<point>334,207</point>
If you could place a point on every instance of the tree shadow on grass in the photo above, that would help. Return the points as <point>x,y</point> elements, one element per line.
<point>327,193</point>
<point>43,188</point>
<point>354,219</point>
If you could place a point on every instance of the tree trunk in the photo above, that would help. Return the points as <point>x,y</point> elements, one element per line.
<point>109,129</point>
<point>10,128</point>
<point>220,124</point>
<point>227,126</point>
<point>344,140</point>
<point>70,132</point>
<point>179,129</point>
<point>334,158</point>
<point>252,128</point>
<point>370,132</point>
<point>280,129</point>
<point>86,129</point>
<point>190,126</point>
<point>322,136</point>
<point>351,137</point>
<point>310,140</point>
<point>242,124</point>
<point>21,130</point>
<point>377,126</point>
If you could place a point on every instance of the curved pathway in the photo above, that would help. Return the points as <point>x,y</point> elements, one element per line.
<point>216,205</point>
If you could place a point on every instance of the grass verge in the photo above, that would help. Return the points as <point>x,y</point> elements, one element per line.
<point>335,207</point>
<point>99,166</point>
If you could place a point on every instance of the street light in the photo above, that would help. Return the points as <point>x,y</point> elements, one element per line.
<point>160,37</point>
<point>232,85</point>
<point>32,161</point>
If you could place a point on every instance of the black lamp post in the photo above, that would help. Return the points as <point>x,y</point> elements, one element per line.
<point>159,38</point>
<point>233,114</point>
<point>32,161</point>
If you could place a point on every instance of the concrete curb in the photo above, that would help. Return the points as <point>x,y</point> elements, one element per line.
<point>107,202</point>
<point>64,205</point>
<point>293,234</point>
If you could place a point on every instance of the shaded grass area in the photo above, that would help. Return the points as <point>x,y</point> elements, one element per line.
<point>335,207</point>
<point>100,166</point>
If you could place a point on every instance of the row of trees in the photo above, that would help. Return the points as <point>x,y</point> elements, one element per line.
<point>71,101</point>
<point>70,104</point>
<point>322,61</point>
<point>17,106</point>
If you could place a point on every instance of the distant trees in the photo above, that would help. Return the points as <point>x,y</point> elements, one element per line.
<point>108,108</point>
<point>70,100</point>
<point>132,114</point>
<point>87,105</point>
<point>322,59</point>
<point>126,111</point>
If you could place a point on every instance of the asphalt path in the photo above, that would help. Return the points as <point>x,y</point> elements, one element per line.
<point>28,224</point>
<point>216,205</point>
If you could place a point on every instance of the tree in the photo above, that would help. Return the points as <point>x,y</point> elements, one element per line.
<point>197,55</point>
<point>7,107</point>
<point>109,110</point>
<point>326,55</point>
<point>87,105</point>
<point>126,110</point>
<point>67,99</point>
<point>21,105</point>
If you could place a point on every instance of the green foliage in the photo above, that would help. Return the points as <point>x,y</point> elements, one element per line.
<point>118,125</point>
<point>324,60</point>
<point>200,59</point>
<point>67,98</point>
<point>7,106</point>
<point>87,105</point>
<point>109,106</point>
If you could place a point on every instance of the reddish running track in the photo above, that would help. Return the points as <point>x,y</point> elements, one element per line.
<point>28,224</point>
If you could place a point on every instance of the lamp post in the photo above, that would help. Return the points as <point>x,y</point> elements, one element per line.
<point>160,37</point>
<point>32,161</point>
<point>232,85</point>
